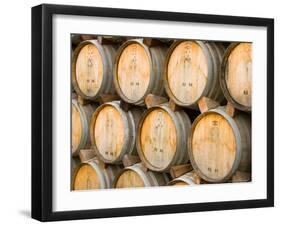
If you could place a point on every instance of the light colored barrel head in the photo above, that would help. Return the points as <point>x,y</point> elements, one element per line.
<point>76,128</point>
<point>109,133</point>
<point>129,179</point>
<point>133,72</point>
<point>214,146</point>
<point>89,70</point>
<point>238,74</point>
<point>187,72</point>
<point>158,138</point>
<point>86,178</point>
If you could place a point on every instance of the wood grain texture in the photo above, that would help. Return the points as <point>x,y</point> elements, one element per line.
<point>138,71</point>
<point>92,65</point>
<point>89,70</point>
<point>86,178</point>
<point>162,138</point>
<point>214,146</point>
<point>135,176</point>
<point>191,71</point>
<point>134,72</point>
<point>113,131</point>
<point>158,138</point>
<point>109,132</point>
<point>93,174</point>
<point>129,179</point>
<point>239,74</point>
<point>219,145</point>
<point>187,72</point>
<point>80,126</point>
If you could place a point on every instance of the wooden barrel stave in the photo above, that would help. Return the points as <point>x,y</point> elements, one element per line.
<point>110,53</point>
<point>237,152</point>
<point>104,139</point>
<point>178,126</point>
<point>103,84</point>
<point>158,54</point>
<point>80,132</point>
<point>244,125</point>
<point>215,93</point>
<point>185,125</point>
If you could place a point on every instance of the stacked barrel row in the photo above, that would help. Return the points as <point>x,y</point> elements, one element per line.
<point>113,77</point>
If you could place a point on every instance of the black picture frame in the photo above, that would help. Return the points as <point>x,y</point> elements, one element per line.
<point>42,111</point>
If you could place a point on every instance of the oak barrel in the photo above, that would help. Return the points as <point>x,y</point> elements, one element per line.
<point>219,144</point>
<point>185,179</point>
<point>81,116</point>
<point>138,71</point>
<point>137,176</point>
<point>94,174</point>
<point>113,131</point>
<point>162,138</point>
<point>236,75</point>
<point>192,71</point>
<point>92,69</point>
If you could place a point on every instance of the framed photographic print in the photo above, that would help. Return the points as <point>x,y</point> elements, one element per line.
<point>147,112</point>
